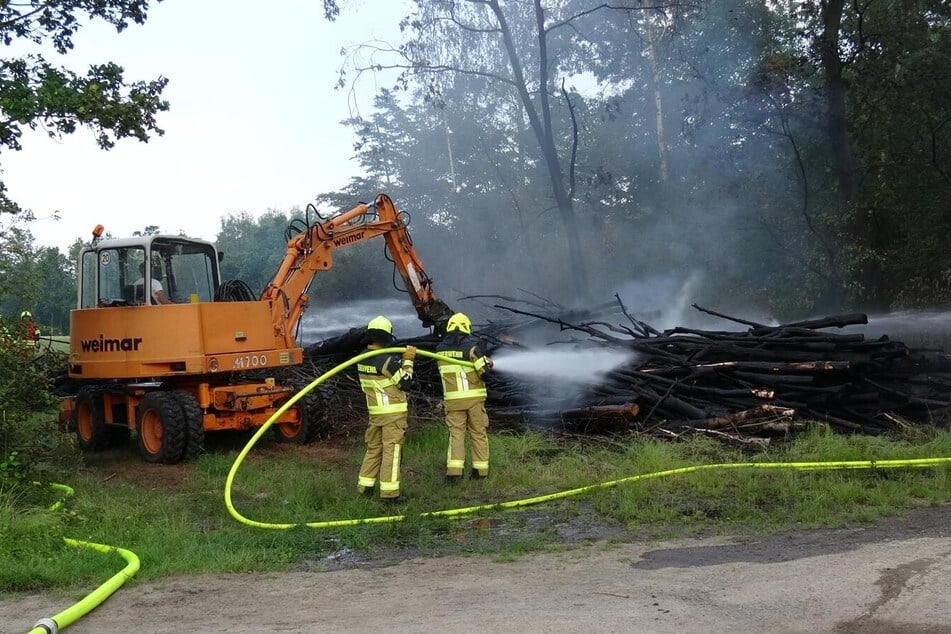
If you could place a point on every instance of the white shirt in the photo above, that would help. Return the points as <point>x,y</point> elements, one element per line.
<point>156,288</point>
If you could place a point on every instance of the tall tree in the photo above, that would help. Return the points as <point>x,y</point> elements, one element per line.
<point>753,192</point>
<point>19,287</point>
<point>466,37</point>
<point>883,106</point>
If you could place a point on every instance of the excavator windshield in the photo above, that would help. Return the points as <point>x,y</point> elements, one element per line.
<point>128,272</point>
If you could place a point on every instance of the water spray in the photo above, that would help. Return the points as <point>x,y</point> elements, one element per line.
<point>572,365</point>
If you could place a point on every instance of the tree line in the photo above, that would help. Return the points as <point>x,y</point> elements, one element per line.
<point>793,153</point>
<point>791,156</point>
<point>786,155</point>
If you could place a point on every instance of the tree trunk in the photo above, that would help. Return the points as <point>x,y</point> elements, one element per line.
<point>540,120</point>
<point>837,130</point>
<point>659,109</point>
<point>452,165</point>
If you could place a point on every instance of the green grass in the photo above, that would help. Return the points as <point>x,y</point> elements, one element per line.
<point>174,518</point>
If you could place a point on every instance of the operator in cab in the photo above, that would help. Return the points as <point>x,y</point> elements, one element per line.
<point>157,293</point>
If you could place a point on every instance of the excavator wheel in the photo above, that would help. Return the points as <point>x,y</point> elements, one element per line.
<point>194,424</point>
<point>306,430</point>
<point>161,426</point>
<point>91,430</point>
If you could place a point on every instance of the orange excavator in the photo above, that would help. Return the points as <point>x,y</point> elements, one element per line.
<point>213,357</point>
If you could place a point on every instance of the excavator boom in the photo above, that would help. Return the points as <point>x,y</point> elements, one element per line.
<point>312,250</point>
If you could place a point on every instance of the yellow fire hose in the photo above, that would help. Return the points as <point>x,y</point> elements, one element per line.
<point>67,617</point>
<point>802,466</point>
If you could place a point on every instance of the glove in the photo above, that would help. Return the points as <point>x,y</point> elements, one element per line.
<point>410,353</point>
<point>482,365</point>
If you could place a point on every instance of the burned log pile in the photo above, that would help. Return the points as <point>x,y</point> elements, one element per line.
<point>753,383</point>
<point>747,384</point>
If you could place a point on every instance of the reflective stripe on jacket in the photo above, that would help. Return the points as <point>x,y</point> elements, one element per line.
<point>381,385</point>
<point>460,381</point>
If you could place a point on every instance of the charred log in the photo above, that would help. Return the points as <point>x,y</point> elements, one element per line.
<point>753,382</point>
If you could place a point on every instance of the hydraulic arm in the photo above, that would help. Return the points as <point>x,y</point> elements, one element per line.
<point>312,250</point>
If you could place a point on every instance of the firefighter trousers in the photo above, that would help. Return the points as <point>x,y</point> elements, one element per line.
<point>464,417</point>
<point>384,439</point>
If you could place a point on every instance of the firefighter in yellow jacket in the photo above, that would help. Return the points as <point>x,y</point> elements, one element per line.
<point>464,396</point>
<point>384,379</point>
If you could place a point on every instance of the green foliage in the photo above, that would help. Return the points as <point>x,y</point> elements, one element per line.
<point>12,468</point>
<point>56,275</point>
<point>29,437</point>
<point>253,248</point>
<point>39,21</point>
<point>37,280</point>
<point>18,284</point>
<point>34,93</point>
<point>40,280</point>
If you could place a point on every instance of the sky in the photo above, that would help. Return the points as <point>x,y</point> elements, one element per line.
<point>253,124</point>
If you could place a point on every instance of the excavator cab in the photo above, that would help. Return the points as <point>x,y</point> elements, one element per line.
<point>125,272</point>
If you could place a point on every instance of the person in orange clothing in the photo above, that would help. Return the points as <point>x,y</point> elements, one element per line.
<point>30,333</point>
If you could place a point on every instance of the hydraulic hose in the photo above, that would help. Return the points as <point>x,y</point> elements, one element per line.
<point>453,513</point>
<point>62,620</point>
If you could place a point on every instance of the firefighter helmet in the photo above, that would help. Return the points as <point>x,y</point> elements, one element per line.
<point>26,315</point>
<point>459,322</point>
<point>380,323</point>
<point>380,330</point>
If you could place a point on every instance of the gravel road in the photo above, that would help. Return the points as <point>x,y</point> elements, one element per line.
<point>889,577</point>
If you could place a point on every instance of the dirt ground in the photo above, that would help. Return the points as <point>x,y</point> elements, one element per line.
<point>889,577</point>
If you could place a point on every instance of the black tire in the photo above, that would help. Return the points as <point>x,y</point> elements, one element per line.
<point>311,415</point>
<point>161,428</point>
<point>91,430</point>
<point>194,424</point>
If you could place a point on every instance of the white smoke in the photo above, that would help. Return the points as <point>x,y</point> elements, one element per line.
<point>324,321</point>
